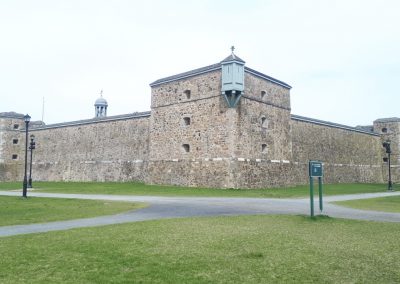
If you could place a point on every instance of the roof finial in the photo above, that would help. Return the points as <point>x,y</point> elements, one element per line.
<point>101,93</point>
<point>232,48</point>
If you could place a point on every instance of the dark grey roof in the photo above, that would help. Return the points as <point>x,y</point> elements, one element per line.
<point>389,119</point>
<point>94,120</point>
<point>36,123</point>
<point>12,114</point>
<point>366,127</point>
<point>187,74</point>
<point>331,124</point>
<point>233,57</point>
<point>211,68</point>
<point>269,78</point>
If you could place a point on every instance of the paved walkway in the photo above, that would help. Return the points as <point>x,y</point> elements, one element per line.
<point>177,207</point>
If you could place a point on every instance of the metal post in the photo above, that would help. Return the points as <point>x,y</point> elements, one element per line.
<point>390,184</point>
<point>386,144</point>
<point>30,173</point>
<point>311,197</point>
<point>31,147</point>
<point>25,182</point>
<point>320,193</point>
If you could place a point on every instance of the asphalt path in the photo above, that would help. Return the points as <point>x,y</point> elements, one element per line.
<point>178,207</point>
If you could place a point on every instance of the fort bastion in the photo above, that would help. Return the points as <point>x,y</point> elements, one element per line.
<point>224,126</point>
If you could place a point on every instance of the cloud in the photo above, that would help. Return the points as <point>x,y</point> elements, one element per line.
<point>341,57</point>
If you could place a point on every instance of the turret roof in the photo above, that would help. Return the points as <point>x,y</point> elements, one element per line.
<point>233,57</point>
<point>12,114</point>
<point>389,119</point>
<point>332,124</point>
<point>215,67</point>
<point>211,68</point>
<point>101,101</point>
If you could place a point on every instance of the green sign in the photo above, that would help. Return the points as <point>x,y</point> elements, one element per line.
<point>315,169</point>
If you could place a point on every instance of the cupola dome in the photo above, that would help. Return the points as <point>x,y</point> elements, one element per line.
<point>101,101</point>
<point>100,106</point>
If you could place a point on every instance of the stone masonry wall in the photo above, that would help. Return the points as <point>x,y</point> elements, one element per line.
<point>206,133</point>
<point>11,149</point>
<point>218,137</point>
<point>390,131</point>
<point>263,131</point>
<point>263,144</point>
<point>190,123</point>
<point>100,151</point>
<point>192,138</point>
<point>263,119</point>
<point>348,156</point>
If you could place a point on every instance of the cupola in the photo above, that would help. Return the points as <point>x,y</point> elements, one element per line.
<point>100,106</point>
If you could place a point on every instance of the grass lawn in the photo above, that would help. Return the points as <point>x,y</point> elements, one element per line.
<point>136,188</point>
<point>18,210</point>
<point>387,204</point>
<point>243,249</point>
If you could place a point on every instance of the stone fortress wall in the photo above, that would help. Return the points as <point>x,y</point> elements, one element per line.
<point>389,129</point>
<point>11,142</point>
<point>218,137</point>
<point>192,138</point>
<point>349,155</point>
<point>111,149</point>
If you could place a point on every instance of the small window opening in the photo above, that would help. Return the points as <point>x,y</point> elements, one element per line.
<point>16,126</point>
<point>187,93</point>
<point>14,156</point>
<point>384,130</point>
<point>186,120</point>
<point>264,122</point>
<point>15,141</point>
<point>263,94</point>
<point>264,148</point>
<point>385,159</point>
<point>186,147</point>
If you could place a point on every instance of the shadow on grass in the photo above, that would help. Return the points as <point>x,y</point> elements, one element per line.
<point>315,218</point>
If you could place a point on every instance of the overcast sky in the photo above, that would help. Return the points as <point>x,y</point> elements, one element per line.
<point>342,58</point>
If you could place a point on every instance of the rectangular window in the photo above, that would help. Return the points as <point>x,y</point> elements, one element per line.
<point>186,148</point>
<point>187,93</point>
<point>15,141</point>
<point>14,156</point>
<point>16,126</point>
<point>186,120</point>
<point>264,122</point>
<point>264,149</point>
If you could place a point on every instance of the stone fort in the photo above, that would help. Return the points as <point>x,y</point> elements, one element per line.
<point>222,126</point>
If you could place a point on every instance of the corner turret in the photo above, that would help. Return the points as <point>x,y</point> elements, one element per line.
<point>232,79</point>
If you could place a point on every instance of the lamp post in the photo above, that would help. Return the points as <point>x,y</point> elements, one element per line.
<point>31,147</point>
<point>386,144</point>
<point>27,118</point>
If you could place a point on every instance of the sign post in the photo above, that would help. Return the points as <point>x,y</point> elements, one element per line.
<point>315,169</point>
